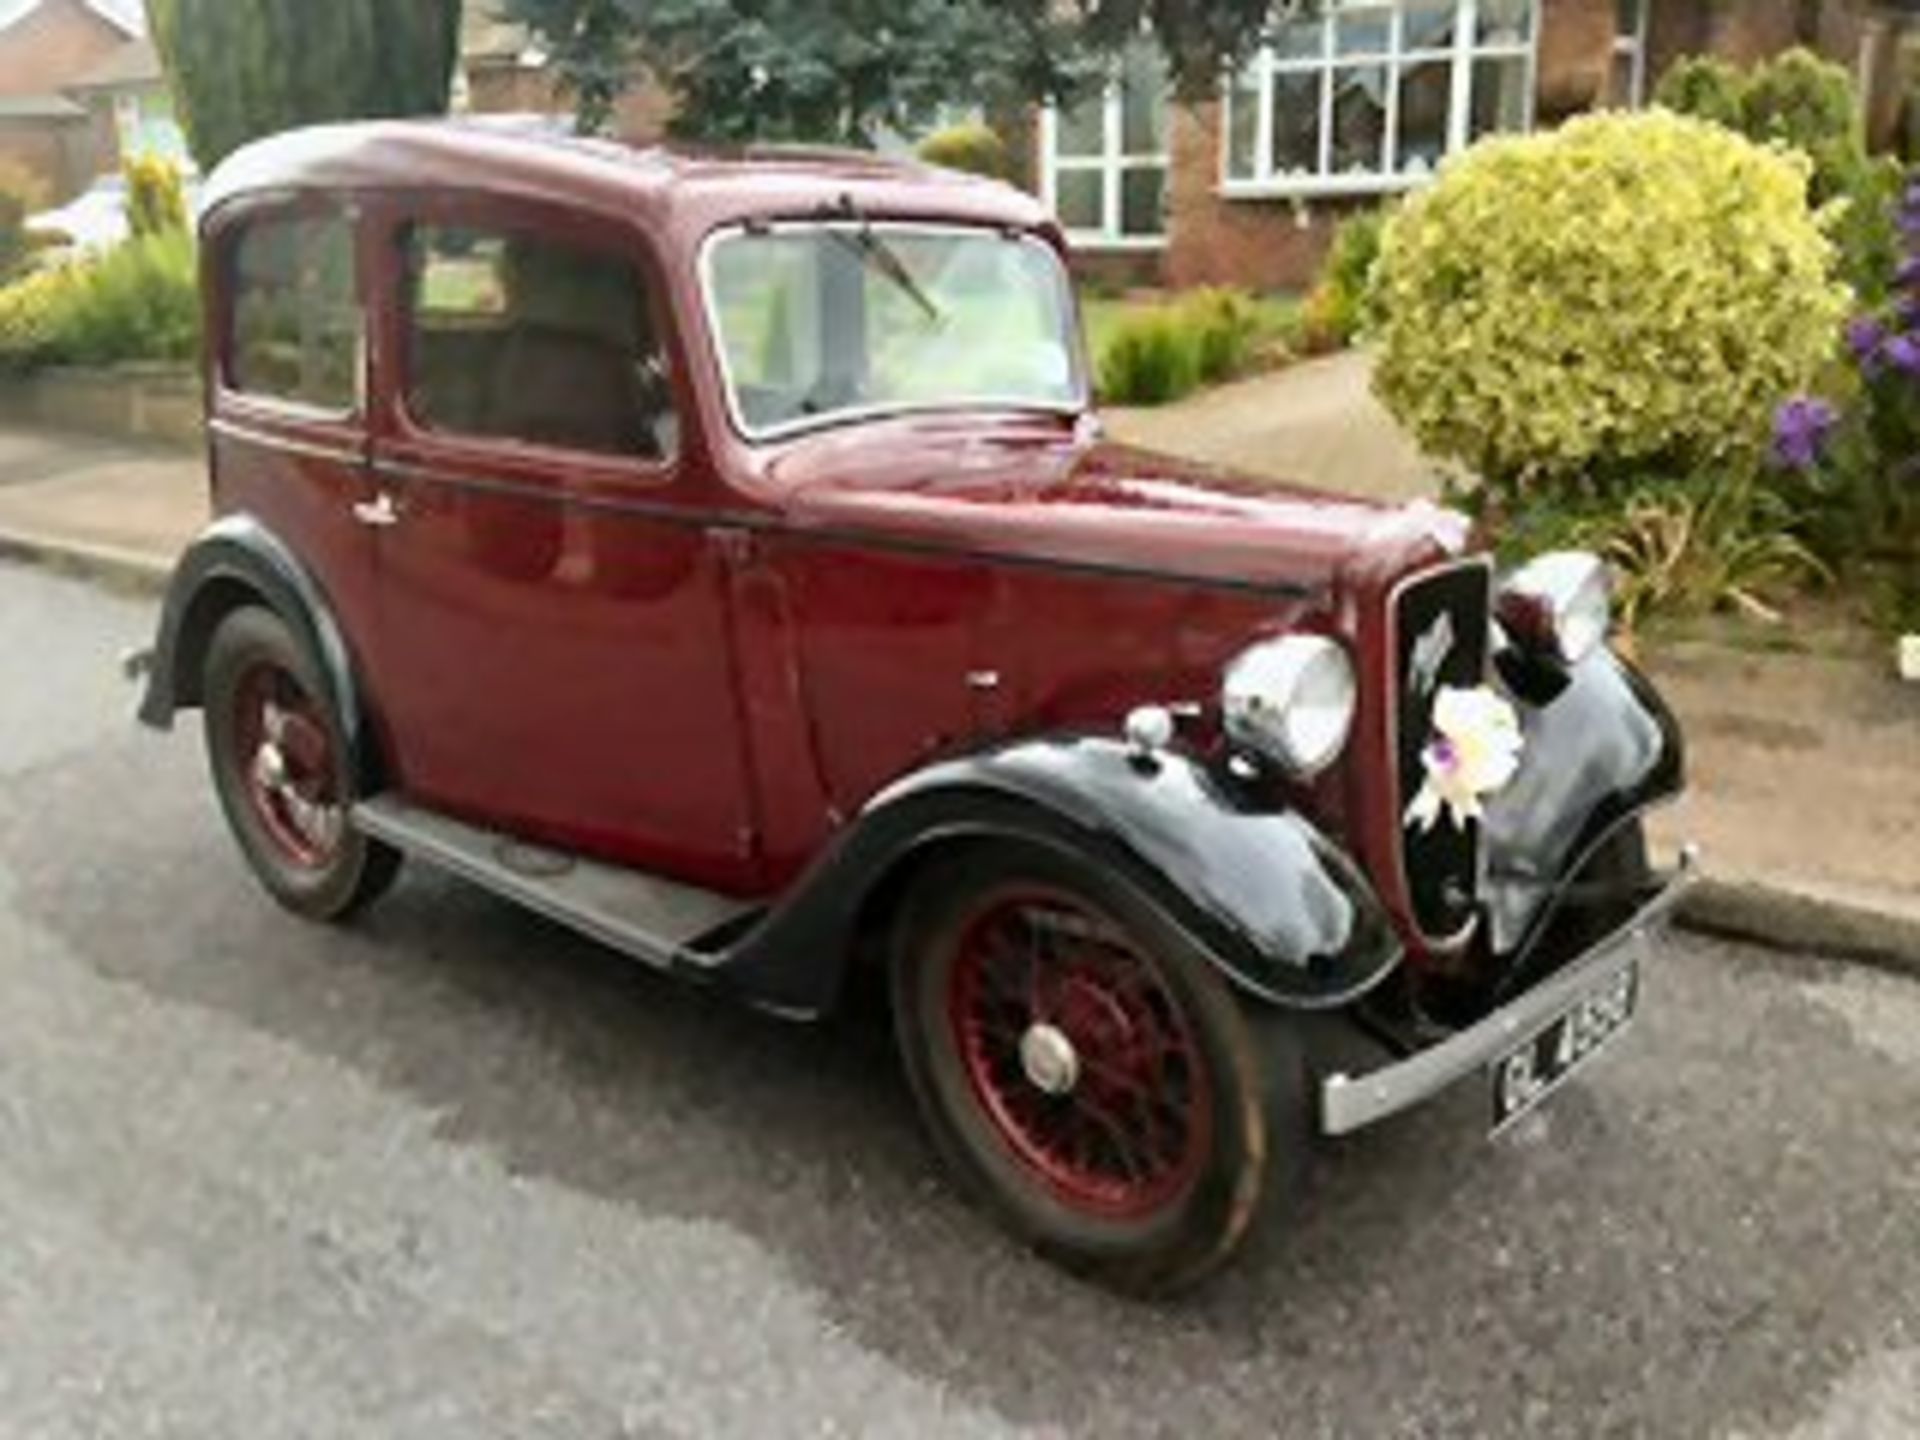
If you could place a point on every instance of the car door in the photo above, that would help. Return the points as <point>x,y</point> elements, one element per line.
<point>287,436</point>
<point>552,605</point>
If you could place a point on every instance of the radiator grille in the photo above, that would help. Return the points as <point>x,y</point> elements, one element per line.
<point>1440,623</point>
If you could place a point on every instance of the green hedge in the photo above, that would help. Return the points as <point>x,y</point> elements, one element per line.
<point>1152,354</point>
<point>138,301</point>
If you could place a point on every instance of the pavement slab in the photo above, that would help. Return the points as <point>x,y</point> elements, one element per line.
<point>1316,423</point>
<point>101,496</point>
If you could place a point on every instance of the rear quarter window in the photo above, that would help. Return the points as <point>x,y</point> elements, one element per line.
<point>295,317</point>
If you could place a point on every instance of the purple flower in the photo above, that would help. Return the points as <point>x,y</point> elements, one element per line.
<point>1865,336</point>
<point>1908,274</point>
<point>1801,427</point>
<point>1902,352</point>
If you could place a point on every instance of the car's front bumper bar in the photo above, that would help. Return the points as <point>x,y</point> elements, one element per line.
<point>1352,1102</point>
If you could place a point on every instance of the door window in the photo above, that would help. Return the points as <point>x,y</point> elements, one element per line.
<point>296,312</point>
<point>522,338</point>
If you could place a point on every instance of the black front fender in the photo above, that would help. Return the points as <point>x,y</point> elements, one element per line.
<point>1602,750</point>
<point>238,561</point>
<point>1283,912</point>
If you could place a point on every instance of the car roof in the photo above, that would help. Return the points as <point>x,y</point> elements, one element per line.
<point>674,187</point>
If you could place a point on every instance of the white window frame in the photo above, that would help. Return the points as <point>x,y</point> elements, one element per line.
<point>1112,164</point>
<point>1633,45</point>
<point>1460,54</point>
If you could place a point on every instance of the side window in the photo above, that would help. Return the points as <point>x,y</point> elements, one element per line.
<point>522,338</point>
<point>296,314</point>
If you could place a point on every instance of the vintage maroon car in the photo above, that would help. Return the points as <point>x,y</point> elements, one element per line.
<point>719,555</point>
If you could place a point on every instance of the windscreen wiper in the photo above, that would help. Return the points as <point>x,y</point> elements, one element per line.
<point>867,244</point>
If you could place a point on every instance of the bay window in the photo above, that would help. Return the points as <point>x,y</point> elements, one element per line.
<point>1371,96</point>
<point>1105,159</point>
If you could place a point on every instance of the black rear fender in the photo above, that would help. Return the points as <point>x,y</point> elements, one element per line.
<point>237,561</point>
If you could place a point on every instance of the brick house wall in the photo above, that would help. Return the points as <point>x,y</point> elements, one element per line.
<point>53,45</point>
<point>41,53</point>
<point>53,152</point>
<point>1279,243</point>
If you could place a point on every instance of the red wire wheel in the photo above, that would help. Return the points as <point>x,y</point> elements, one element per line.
<point>294,775</point>
<point>1083,1068</point>
<point>1079,1053</point>
<point>281,765</point>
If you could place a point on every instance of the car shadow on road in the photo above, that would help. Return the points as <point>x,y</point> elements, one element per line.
<point>1628,1259</point>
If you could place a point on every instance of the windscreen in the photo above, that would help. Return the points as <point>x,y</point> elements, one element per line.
<point>829,321</point>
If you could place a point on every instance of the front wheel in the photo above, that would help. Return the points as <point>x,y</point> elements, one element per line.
<point>1086,1072</point>
<point>280,764</point>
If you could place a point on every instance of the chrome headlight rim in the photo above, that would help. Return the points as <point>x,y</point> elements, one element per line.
<point>1559,603</point>
<point>1265,688</point>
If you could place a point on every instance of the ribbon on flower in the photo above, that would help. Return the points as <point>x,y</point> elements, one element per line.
<point>1474,751</point>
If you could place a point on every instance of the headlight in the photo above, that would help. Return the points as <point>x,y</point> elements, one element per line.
<point>1291,700</point>
<point>1560,603</point>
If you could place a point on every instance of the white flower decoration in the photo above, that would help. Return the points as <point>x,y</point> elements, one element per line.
<point>1475,750</point>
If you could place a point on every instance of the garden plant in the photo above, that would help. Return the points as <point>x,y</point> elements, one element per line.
<point>1849,459</point>
<point>138,301</point>
<point>1600,324</point>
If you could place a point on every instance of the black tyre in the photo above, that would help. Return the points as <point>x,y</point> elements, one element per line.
<point>1086,1073</point>
<point>281,766</point>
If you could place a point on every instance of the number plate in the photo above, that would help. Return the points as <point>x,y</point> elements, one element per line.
<point>1534,1070</point>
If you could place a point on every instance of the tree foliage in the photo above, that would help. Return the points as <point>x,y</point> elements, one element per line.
<point>241,69</point>
<point>839,70</point>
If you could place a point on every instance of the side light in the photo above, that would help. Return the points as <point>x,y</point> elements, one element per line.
<point>1560,604</point>
<point>1291,700</point>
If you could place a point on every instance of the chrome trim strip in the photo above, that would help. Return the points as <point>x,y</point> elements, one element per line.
<point>243,434</point>
<point>1352,1102</point>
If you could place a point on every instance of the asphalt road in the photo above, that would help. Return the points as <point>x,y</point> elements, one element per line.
<point>455,1173</point>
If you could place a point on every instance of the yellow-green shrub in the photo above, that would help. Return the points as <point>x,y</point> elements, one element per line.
<point>156,200</point>
<point>1214,333</point>
<point>20,194</point>
<point>138,301</point>
<point>30,311</point>
<point>1630,290</point>
<point>1150,358</point>
<point>972,147</point>
<point>1811,104</point>
<point>1339,305</point>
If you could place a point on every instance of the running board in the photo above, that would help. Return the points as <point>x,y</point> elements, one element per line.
<point>653,920</point>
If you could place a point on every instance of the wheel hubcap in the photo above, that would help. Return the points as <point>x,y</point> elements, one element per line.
<point>1049,1059</point>
<point>1078,1054</point>
<point>286,755</point>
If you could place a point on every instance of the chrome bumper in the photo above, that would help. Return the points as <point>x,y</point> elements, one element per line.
<point>1352,1102</point>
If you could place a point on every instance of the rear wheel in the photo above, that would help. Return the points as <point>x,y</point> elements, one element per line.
<point>1086,1072</point>
<point>280,764</point>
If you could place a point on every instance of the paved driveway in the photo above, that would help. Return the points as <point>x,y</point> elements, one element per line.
<point>1316,423</point>
<point>454,1173</point>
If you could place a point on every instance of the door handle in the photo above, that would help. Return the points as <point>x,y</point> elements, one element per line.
<point>378,512</point>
